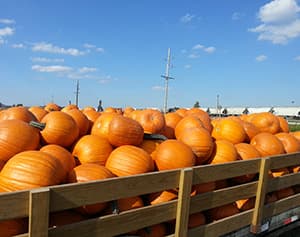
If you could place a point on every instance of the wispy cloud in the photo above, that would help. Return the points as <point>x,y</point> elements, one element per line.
<point>187,18</point>
<point>93,47</point>
<point>18,46</point>
<point>297,58</point>
<point>280,21</point>
<point>157,88</point>
<point>47,60</point>
<point>210,49</point>
<point>6,31</point>
<point>261,58</point>
<point>54,68</point>
<point>49,48</point>
<point>198,46</point>
<point>187,66</point>
<point>7,21</point>
<point>237,16</point>
<point>196,50</point>
<point>193,55</point>
<point>87,69</point>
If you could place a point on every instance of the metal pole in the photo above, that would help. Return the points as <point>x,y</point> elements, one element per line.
<point>77,92</point>
<point>167,80</point>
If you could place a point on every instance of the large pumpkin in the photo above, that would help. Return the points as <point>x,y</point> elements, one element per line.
<point>59,128</point>
<point>173,154</point>
<point>230,130</point>
<point>171,121</point>
<point>283,124</point>
<point>101,124</point>
<point>224,151</point>
<point>52,107</point>
<point>267,144</point>
<point>152,121</point>
<point>92,149</point>
<point>125,131</point>
<point>20,113</point>
<point>150,146</point>
<point>186,123</point>
<point>38,112</point>
<point>203,116</point>
<point>80,119</point>
<point>200,140</point>
<point>129,160</point>
<point>31,169</point>
<point>89,172</point>
<point>266,122</point>
<point>163,196</point>
<point>290,143</point>
<point>250,129</point>
<point>17,136</point>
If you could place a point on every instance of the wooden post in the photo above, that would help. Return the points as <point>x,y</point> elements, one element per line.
<point>39,212</point>
<point>183,206</point>
<point>260,196</point>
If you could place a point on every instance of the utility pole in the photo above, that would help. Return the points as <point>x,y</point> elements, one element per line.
<point>218,105</point>
<point>167,77</point>
<point>77,93</point>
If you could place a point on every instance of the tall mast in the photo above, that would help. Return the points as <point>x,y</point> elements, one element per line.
<point>167,77</point>
<point>77,92</point>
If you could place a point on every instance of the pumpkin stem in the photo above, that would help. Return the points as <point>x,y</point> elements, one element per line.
<point>38,125</point>
<point>149,136</point>
<point>114,206</point>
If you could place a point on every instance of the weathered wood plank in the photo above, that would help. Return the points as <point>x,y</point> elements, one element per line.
<point>260,195</point>
<point>208,173</point>
<point>220,197</point>
<point>121,223</point>
<point>281,182</point>
<point>183,206</point>
<point>18,203</point>
<point>286,160</point>
<point>39,212</point>
<point>75,195</point>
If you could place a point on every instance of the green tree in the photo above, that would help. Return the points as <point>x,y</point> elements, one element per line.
<point>197,104</point>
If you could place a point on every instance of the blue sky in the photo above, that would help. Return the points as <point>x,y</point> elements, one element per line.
<point>248,52</point>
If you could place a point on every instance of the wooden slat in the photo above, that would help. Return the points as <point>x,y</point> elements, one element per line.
<point>75,195</point>
<point>208,173</point>
<point>281,182</point>
<point>281,205</point>
<point>124,222</point>
<point>223,226</point>
<point>39,212</point>
<point>18,203</point>
<point>221,197</point>
<point>183,206</point>
<point>260,195</point>
<point>286,160</point>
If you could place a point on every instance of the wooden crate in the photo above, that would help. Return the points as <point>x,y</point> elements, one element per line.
<point>36,204</point>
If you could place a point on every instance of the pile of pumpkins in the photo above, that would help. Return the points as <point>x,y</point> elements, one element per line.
<point>44,146</point>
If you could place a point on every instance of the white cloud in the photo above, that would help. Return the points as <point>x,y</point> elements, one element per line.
<point>49,48</point>
<point>187,18</point>
<point>210,49</point>
<point>158,88</point>
<point>187,66</point>
<point>100,50</point>
<point>198,46</point>
<point>89,46</point>
<point>6,31</point>
<point>54,68</point>
<point>193,55</point>
<point>93,47</point>
<point>297,58</point>
<point>47,60</point>
<point>261,58</point>
<point>87,69</point>
<point>279,21</point>
<point>18,46</point>
<point>7,21</point>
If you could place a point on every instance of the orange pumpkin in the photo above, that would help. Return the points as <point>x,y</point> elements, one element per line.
<point>221,212</point>
<point>163,196</point>
<point>52,107</point>
<point>92,149</point>
<point>69,107</point>
<point>203,116</point>
<point>19,113</point>
<point>245,204</point>
<point>31,169</point>
<point>181,111</point>
<point>283,193</point>
<point>92,116</point>
<point>173,154</point>
<point>38,112</point>
<point>129,160</point>
<point>17,136</point>
<point>150,146</point>
<point>266,122</point>
<point>125,131</point>
<point>152,121</point>
<point>172,120</point>
<point>230,130</point>
<point>204,187</point>
<point>224,151</point>
<point>85,173</point>
<point>59,128</point>
<point>290,143</point>
<point>296,134</point>
<point>250,129</point>
<point>101,125</point>
<point>200,140</point>
<point>283,124</point>
<point>267,144</point>
<point>81,120</point>
<point>186,123</point>
<point>196,219</point>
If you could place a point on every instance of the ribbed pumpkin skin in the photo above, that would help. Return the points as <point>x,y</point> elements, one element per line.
<point>129,160</point>
<point>101,125</point>
<point>52,107</point>
<point>150,146</point>
<point>283,124</point>
<point>92,116</point>
<point>69,107</point>
<point>203,116</point>
<point>246,151</point>
<point>13,227</point>
<point>230,130</point>
<point>152,121</point>
<point>250,129</point>
<point>19,113</point>
<point>267,144</point>
<point>125,204</point>
<point>125,131</point>
<point>224,151</point>
<point>80,119</point>
<point>92,149</point>
<point>38,112</point>
<point>172,120</point>
<point>31,169</point>
<point>17,136</point>
<point>186,123</point>
<point>200,140</point>
<point>61,129</point>
<point>266,122</point>
<point>89,172</point>
<point>63,155</point>
<point>163,196</point>
<point>296,134</point>
<point>290,143</point>
<point>173,154</point>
